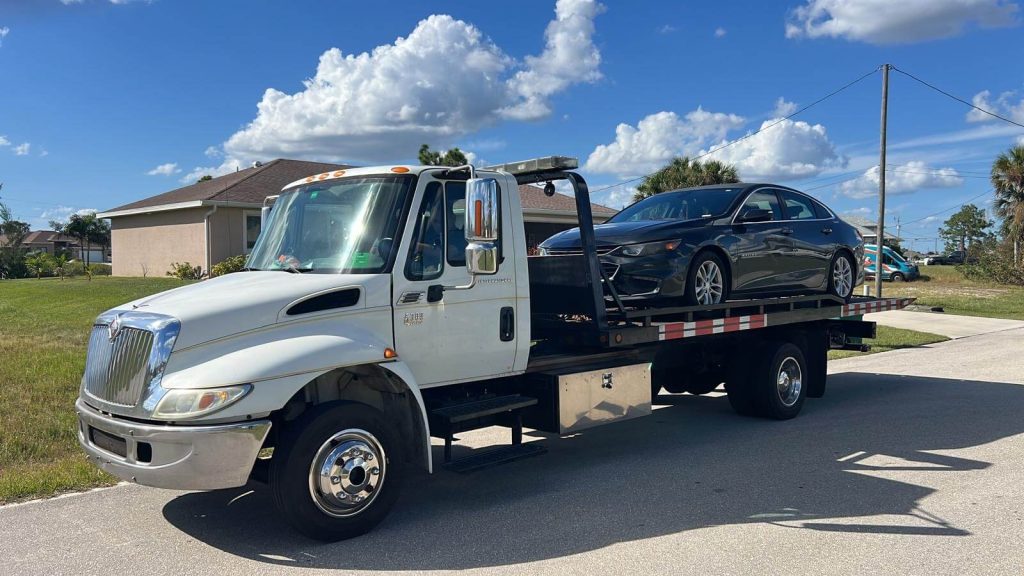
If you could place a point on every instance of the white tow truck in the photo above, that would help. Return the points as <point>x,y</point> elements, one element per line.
<point>383,307</point>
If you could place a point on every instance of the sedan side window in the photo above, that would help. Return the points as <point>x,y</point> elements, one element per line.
<point>765,200</point>
<point>796,207</point>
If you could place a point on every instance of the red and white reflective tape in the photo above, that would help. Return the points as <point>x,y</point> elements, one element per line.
<point>675,330</point>
<point>875,306</point>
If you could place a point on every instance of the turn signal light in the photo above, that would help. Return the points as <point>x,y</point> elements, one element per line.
<point>389,353</point>
<point>399,169</point>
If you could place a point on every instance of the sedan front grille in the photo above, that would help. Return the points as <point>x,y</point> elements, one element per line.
<point>117,369</point>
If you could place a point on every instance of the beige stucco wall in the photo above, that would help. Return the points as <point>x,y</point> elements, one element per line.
<point>151,242</point>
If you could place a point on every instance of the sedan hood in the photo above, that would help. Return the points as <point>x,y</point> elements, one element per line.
<point>244,301</point>
<point>618,233</point>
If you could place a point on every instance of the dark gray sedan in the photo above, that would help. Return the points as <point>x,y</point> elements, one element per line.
<point>709,244</point>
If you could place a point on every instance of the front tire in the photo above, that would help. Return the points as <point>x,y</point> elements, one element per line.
<point>336,471</point>
<point>897,277</point>
<point>706,282</point>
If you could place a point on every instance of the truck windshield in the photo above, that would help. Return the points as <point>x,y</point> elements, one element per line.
<point>681,205</point>
<point>338,226</point>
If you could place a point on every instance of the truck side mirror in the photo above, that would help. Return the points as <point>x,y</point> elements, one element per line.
<point>483,223</point>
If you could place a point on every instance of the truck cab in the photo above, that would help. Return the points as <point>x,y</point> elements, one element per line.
<point>894,266</point>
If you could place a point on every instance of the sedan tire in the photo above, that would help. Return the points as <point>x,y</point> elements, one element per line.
<point>706,282</point>
<point>841,276</point>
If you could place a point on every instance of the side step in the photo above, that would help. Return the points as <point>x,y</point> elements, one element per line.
<point>494,456</point>
<point>447,420</point>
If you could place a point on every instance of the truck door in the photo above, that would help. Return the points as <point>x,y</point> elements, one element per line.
<point>463,334</point>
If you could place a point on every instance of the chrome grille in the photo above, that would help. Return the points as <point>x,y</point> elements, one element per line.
<point>116,371</point>
<point>601,251</point>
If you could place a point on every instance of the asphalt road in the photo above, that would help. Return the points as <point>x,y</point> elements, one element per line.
<point>913,463</point>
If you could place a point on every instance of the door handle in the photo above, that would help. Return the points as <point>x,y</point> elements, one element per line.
<point>507,329</point>
<point>786,231</point>
<point>826,230</point>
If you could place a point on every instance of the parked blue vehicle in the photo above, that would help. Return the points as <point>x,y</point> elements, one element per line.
<point>894,267</point>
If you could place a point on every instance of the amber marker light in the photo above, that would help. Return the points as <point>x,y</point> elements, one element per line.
<point>389,353</point>
<point>478,213</point>
<point>338,173</point>
<point>399,169</point>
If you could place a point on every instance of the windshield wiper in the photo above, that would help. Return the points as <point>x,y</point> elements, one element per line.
<point>296,270</point>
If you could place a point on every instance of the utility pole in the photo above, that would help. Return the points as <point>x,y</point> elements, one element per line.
<point>880,230</point>
<point>898,237</point>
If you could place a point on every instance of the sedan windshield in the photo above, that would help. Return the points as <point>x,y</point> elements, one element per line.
<point>680,205</point>
<point>339,226</point>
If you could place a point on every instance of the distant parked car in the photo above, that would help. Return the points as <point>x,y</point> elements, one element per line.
<point>704,245</point>
<point>894,266</point>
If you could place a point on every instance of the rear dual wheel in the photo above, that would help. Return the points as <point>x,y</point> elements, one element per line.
<point>774,386</point>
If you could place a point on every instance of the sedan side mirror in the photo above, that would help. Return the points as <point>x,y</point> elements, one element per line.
<point>754,215</point>
<point>482,228</point>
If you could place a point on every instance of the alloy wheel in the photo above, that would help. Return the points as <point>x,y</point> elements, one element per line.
<point>842,277</point>
<point>709,284</point>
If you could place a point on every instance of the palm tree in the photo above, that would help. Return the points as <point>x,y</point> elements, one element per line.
<point>683,173</point>
<point>1008,182</point>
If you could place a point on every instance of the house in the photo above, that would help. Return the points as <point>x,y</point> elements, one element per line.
<point>206,222</point>
<point>868,229</point>
<point>50,242</point>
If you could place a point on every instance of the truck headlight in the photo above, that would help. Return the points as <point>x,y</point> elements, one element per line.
<point>648,249</point>
<point>179,404</point>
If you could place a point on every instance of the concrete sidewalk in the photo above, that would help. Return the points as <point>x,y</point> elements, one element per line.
<point>949,325</point>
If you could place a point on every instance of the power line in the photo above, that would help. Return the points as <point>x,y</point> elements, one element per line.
<point>966,202</point>
<point>936,173</point>
<point>755,133</point>
<point>958,99</point>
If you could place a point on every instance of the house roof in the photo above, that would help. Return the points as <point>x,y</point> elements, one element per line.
<point>533,198</point>
<point>253,185</point>
<point>866,227</point>
<point>247,186</point>
<point>47,237</point>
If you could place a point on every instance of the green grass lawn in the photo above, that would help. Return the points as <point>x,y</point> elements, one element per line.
<point>890,339</point>
<point>944,286</point>
<point>44,329</point>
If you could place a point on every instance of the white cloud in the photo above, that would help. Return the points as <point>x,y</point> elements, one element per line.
<point>43,152</point>
<point>719,32</point>
<point>58,214</point>
<point>165,169</point>
<point>1004,106</point>
<point>22,149</point>
<point>444,80</point>
<point>1020,140</point>
<point>70,2</point>
<point>4,31</point>
<point>895,22</point>
<point>784,108</point>
<point>4,141</point>
<point>667,29</point>
<point>902,179</point>
<point>569,57</point>
<point>213,152</point>
<point>787,150</point>
<point>658,138</point>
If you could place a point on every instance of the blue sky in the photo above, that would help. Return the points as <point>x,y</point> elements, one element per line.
<point>103,102</point>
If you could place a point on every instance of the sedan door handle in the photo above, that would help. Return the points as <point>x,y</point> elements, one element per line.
<point>826,230</point>
<point>786,231</point>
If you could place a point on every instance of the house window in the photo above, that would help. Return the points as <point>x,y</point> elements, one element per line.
<point>250,229</point>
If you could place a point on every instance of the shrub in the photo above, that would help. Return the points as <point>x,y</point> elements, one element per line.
<point>185,271</point>
<point>996,266</point>
<point>228,265</point>
<point>99,269</point>
<point>75,268</point>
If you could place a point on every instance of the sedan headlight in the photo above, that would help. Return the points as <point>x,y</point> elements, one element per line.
<point>180,404</point>
<point>647,249</point>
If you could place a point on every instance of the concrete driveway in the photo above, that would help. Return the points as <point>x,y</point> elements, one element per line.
<point>949,325</point>
<point>913,463</point>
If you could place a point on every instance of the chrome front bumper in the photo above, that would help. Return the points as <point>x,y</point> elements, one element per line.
<point>166,456</point>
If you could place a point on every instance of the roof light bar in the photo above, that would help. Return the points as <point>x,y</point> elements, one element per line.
<point>545,164</point>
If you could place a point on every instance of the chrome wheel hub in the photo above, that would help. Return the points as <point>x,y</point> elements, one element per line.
<point>347,473</point>
<point>709,284</point>
<point>789,381</point>
<point>842,277</point>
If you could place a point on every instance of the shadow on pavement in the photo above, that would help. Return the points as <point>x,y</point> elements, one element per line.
<point>691,465</point>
